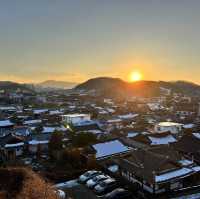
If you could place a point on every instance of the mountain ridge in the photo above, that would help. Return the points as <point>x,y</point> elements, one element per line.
<point>56,84</point>
<point>14,86</point>
<point>145,88</point>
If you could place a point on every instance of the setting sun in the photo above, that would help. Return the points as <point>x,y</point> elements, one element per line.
<point>135,76</point>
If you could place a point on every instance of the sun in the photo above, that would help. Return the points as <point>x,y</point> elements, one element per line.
<point>135,76</point>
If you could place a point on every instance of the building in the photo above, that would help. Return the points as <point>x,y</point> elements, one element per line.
<point>75,118</point>
<point>5,127</point>
<point>174,128</point>
<point>189,145</point>
<point>11,146</point>
<point>153,139</point>
<point>156,172</point>
<point>110,149</point>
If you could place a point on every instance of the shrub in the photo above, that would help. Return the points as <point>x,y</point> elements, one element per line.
<point>21,183</point>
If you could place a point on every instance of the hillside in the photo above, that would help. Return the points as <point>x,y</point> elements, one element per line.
<point>18,183</point>
<point>13,86</point>
<point>116,86</point>
<point>57,84</point>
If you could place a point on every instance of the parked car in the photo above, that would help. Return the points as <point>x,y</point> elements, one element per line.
<point>119,193</point>
<point>88,175</point>
<point>61,194</point>
<point>105,186</point>
<point>96,180</point>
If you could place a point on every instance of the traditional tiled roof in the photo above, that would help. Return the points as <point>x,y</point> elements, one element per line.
<point>155,138</point>
<point>147,165</point>
<point>11,139</point>
<point>188,144</point>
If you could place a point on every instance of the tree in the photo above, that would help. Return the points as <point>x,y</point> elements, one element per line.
<point>55,142</point>
<point>141,124</point>
<point>83,139</point>
<point>39,151</point>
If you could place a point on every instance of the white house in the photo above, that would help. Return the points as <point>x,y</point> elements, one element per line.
<point>76,118</point>
<point>174,128</point>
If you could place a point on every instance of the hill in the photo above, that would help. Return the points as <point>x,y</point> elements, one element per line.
<point>57,84</point>
<point>13,86</point>
<point>117,87</point>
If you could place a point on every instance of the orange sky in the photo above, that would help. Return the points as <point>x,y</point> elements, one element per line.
<point>75,40</point>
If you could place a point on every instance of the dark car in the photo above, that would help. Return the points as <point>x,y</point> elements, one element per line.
<point>119,194</point>
<point>105,186</point>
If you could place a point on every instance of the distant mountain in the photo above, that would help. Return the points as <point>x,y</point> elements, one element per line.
<point>13,87</point>
<point>57,84</point>
<point>117,87</point>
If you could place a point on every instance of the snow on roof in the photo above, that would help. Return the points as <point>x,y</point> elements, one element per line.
<point>38,111</point>
<point>132,134</point>
<point>32,128</point>
<point>5,123</point>
<point>109,148</point>
<point>154,106</point>
<point>173,174</point>
<point>48,129</point>
<point>84,123</point>
<point>110,110</point>
<point>14,145</point>
<point>162,140</point>
<point>196,169</point>
<point>128,116</point>
<point>76,115</point>
<point>169,124</point>
<point>35,142</point>
<point>188,126</point>
<point>6,108</point>
<point>99,108</point>
<point>95,131</point>
<point>55,112</point>
<point>61,128</point>
<point>114,120</point>
<point>103,112</point>
<point>32,121</point>
<point>72,107</point>
<point>197,135</point>
<point>185,162</point>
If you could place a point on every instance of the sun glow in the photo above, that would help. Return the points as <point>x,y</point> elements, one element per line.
<point>135,76</point>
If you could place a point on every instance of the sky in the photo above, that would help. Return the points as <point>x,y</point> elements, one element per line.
<point>74,40</point>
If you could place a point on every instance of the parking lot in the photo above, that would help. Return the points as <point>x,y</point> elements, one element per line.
<point>76,190</point>
<point>80,192</point>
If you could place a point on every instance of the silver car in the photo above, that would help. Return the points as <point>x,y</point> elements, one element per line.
<point>88,175</point>
<point>96,180</point>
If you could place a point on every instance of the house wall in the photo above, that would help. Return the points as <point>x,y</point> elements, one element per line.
<point>150,187</point>
<point>19,151</point>
<point>77,119</point>
<point>34,148</point>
